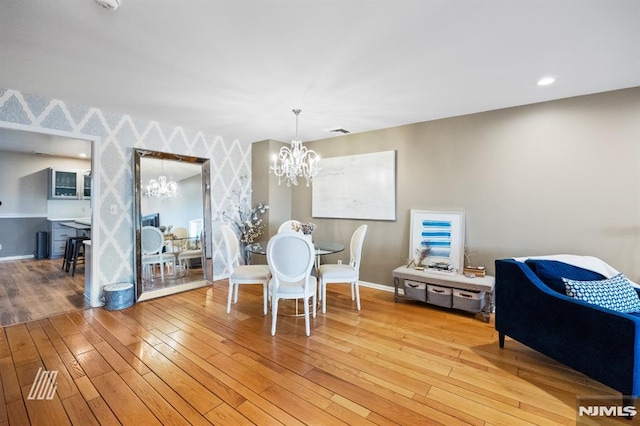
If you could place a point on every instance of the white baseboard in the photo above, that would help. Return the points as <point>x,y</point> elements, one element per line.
<point>24,256</point>
<point>375,286</point>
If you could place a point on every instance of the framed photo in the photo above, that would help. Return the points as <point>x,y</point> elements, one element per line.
<point>361,186</point>
<point>442,233</point>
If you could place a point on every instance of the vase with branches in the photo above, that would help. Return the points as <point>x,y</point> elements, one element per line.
<point>422,253</point>
<point>248,221</point>
<point>468,254</point>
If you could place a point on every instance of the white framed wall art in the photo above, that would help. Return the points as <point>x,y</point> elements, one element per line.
<point>361,186</point>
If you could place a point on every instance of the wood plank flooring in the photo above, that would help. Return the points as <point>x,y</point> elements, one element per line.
<point>182,359</point>
<point>33,289</point>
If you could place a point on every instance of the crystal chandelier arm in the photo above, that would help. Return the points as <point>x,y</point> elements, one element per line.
<point>162,188</point>
<point>295,161</point>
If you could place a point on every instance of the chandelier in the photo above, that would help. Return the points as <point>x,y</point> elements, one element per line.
<point>295,161</point>
<point>162,188</point>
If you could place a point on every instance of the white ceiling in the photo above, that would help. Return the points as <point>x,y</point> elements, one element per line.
<point>238,68</point>
<point>43,144</point>
<point>151,168</point>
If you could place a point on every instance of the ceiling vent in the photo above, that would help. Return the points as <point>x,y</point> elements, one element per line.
<point>340,130</point>
<point>42,154</point>
<point>109,4</point>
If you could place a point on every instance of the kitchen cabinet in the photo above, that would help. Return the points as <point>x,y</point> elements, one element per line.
<point>86,185</point>
<point>58,236</point>
<point>69,184</point>
<point>59,233</point>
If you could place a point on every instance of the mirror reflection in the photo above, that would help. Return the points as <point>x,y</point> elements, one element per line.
<point>171,249</point>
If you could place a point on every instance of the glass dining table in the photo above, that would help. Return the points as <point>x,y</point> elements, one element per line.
<point>322,248</point>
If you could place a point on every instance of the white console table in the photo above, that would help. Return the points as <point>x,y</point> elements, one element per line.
<point>458,281</point>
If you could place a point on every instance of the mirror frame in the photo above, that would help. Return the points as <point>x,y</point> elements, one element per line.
<point>207,266</point>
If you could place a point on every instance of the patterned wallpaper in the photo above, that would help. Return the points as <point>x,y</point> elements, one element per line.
<point>118,134</point>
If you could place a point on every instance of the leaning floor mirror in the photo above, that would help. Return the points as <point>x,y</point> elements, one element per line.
<point>172,220</point>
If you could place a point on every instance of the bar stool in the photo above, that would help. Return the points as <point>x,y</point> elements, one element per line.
<point>67,255</point>
<point>74,250</point>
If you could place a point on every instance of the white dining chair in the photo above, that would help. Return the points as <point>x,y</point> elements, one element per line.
<point>152,243</point>
<point>242,274</point>
<point>290,225</point>
<point>333,273</point>
<point>180,239</point>
<point>291,256</point>
<point>185,257</point>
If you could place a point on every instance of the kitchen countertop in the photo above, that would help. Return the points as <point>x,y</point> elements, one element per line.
<point>83,220</point>
<point>73,222</point>
<point>75,225</point>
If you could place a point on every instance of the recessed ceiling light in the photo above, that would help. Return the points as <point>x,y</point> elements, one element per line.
<point>545,81</point>
<point>82,154</point>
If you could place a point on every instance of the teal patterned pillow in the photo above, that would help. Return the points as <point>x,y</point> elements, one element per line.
<point>615,293</point>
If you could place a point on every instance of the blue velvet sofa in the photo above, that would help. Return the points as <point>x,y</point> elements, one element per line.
<point>601,343</point>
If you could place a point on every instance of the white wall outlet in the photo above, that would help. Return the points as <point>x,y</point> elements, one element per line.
<point>113,209</point>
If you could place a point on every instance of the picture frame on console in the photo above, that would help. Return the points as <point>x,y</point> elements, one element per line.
<point>443,233</point>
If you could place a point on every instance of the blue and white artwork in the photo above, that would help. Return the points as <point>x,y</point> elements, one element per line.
<point>442,232</point>
<point>436,236</point>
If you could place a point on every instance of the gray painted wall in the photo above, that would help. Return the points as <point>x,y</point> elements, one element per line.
<point>554,177</point>
<point>265,185</point>
<point>23,194</point>
<point>24,180</point>
<point>18,235</point>
<point>266,189</point>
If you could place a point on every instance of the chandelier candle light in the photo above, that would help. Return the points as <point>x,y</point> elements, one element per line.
<point>295,161</point>
<point>162,188</point>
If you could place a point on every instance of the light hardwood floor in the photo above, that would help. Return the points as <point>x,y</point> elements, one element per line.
<point>182,360</point>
